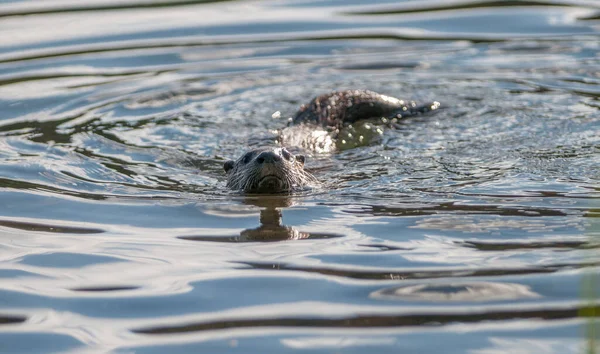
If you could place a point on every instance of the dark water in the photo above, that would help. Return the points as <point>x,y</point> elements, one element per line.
<point>473,230</point>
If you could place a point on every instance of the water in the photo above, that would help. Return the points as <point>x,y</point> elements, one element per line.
<point>472,230</point>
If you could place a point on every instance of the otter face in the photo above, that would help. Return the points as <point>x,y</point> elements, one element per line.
<point>268,170</point>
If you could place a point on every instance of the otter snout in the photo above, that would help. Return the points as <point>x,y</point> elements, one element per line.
<point>267,157</point>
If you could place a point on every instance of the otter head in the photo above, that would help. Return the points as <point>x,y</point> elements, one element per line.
<point>268,170</point>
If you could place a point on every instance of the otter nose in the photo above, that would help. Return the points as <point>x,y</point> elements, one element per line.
<point>268,157</point>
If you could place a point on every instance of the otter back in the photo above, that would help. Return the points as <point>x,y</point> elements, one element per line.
<point>336,109</point>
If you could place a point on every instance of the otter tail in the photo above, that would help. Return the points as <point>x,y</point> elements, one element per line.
<point>412,109</point>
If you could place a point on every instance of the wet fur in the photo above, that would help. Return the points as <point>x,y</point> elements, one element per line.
<point>246,173</point>
<point>315,126</point>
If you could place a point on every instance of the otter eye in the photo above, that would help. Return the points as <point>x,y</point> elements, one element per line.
<point>247,158</point>
<point>286,154</point>
<point>300,158</point>
<point>228,165</point>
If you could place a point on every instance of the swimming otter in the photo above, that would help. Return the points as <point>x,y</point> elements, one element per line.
<point>268,170</point>
<point>316,126</point>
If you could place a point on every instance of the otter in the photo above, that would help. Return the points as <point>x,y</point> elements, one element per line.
<point>317,126</point>
<point>268,170</point>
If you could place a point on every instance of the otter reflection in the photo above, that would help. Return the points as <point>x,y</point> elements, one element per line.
<point>271,225</point>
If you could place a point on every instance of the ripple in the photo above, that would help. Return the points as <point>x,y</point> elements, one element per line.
<point>28,226</point>
<point>4,319</point>
<point>105,289</point>
<point>263,235</point>
<point>479,291</point>
<point>531,245</point>
<point>375,321</point>
<point>395,274</point>
<point>461,5</point>
<point>19,9</point>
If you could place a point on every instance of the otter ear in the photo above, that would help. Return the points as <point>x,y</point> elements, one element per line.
<point>228,165</point>
<point>300,158</point>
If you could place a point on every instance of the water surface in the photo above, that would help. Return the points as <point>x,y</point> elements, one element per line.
<point>472,230</point>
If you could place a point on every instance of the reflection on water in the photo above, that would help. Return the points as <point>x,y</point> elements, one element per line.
<point>117,233</point>
<point>375,321</point>
<point>481,291</point>
<point>270,229</point>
